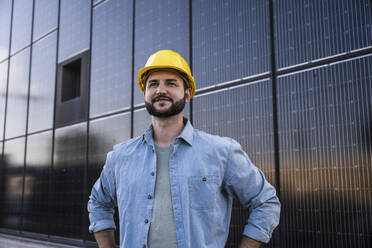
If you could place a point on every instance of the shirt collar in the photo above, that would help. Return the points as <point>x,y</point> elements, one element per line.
<point>186,134</point>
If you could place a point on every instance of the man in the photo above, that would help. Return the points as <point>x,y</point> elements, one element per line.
<point>174,185</point>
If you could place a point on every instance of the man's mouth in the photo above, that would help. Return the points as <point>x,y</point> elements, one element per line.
<point>161,98</point>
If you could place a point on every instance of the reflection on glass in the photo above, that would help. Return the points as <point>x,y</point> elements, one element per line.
<point>22,21</point>
<point>111,57</point>
<point>325,123</point>
<point>74,28</point>
<point>230,40</point>
<point>309,30</point>
<point>17,94</point>
<point>67,203</point>
<point>168,28</point>
<point>5,14</point>
<point>11,184</point>
<point>3,79</point>
<point>43,71</point>
<point>103,135</point>
<point>97,1</point>
<point>45,17</point>
<point>35,199</point>
<point>244,114</point>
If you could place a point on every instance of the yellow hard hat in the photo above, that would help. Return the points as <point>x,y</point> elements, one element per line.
<point>166,59</point>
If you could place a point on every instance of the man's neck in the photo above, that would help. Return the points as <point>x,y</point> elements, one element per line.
<point>165,130</point>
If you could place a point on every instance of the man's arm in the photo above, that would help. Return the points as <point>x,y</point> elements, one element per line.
<point>105,238</point>
<point>247,183</point>
<point>102,202</point>
<point>249,243</point>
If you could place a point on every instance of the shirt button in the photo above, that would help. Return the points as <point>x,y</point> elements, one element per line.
<point>149,197</point>
<point>146,221</point>
<point>152,173</point>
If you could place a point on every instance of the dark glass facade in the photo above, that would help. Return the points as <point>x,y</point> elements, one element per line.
<point>311,30</point>
<point>111,57</point>
<point>67,200</point>
<point>43,71</point>
<point>21,25</point>
<point>325,123</point>
<point>74,28</point>
<point>5,20</point>
<point>36,185</point>
<point>45,17</point>
<point>17,94</point>
<point>12,183</point>
<point>230,40</point>
<point>291,81</point>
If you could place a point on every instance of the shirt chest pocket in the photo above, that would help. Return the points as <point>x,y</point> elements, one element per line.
<point>203,192</point>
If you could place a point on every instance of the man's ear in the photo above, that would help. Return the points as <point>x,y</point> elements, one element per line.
<point>188,94</point>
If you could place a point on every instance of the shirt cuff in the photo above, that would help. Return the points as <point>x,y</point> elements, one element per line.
<point>256,234</point>
<point>102,225</point>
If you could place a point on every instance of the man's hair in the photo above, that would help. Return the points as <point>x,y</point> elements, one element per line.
<point>180,73</point>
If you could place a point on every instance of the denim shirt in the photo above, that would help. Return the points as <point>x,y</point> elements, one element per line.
<point>206,172</point>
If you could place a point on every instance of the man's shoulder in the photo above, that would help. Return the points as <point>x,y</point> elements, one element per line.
<point>128,145</point>
<point>213,140</point>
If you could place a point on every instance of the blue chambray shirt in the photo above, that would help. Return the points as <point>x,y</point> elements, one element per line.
<point>206,172</point>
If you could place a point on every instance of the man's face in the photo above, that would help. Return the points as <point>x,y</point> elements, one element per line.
<point>165,94</point>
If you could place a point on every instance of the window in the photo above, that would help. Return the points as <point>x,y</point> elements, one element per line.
<point>72,90</point>
<point>71,74</point>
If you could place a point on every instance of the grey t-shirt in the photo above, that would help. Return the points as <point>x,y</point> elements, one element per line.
<point>162,229</point>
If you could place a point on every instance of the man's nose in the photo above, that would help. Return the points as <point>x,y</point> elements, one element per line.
<point>161,89</point>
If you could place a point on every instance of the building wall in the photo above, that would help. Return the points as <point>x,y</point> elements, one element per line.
<point>290,80</point>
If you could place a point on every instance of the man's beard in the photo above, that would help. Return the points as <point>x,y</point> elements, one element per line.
<point>174,109</point>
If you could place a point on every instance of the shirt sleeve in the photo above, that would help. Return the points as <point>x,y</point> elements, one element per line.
<point>102,201</point>
<point>247,183</point>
